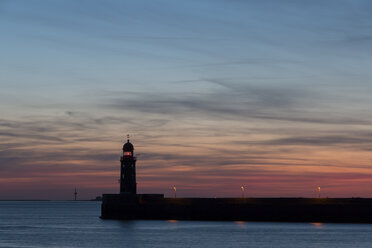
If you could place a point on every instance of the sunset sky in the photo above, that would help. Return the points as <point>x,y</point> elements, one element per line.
<point>215,94</point>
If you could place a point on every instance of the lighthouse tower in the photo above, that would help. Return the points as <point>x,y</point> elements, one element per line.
<point>128,170</point>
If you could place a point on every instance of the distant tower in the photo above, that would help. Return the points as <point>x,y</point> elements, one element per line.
<point>128,170</point>
<point>75,194</point>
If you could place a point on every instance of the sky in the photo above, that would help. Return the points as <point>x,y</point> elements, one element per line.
<point>215,94</point>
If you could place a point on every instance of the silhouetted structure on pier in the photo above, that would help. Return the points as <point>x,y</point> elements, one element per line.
<point>129,205</point>
<point>128,184</point>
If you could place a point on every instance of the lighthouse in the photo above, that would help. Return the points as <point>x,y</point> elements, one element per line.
<point>128,182</point>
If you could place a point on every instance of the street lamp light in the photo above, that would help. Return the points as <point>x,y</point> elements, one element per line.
<point>318,192</point>
<point>242,187</point>
<point>175,191</point>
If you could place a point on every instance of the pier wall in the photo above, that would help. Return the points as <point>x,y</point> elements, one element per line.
<point>156,207</point>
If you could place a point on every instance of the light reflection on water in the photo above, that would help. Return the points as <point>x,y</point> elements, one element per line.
<point>76,224</point>
<point>241,224</point>
<point>317,224</point>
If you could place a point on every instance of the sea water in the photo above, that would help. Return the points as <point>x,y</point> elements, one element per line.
<point>77,224</point>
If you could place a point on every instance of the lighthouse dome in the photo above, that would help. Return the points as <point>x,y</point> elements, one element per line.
<point>128,147</point>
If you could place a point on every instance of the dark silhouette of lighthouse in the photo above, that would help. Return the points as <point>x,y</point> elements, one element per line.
<point>128,182</point>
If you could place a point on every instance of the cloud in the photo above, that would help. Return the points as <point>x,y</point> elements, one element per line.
<point>31,136</point>
<point>236,100</point>
<point>324,140</point>
<point>233,99</point>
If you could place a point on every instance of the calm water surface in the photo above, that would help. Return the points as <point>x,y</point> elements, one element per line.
<point>76,224</point>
